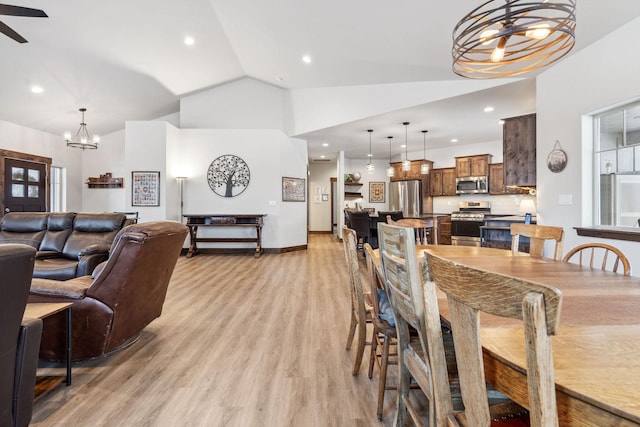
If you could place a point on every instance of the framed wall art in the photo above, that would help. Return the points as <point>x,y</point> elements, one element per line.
<point>228,176</point>
<point>376,192</point>
<point>293,189</point>
<point>145,188</point>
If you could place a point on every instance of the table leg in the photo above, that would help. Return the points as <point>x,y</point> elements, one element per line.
<point>193,241</point>
<point>69,346</point>
<point>258,241</point>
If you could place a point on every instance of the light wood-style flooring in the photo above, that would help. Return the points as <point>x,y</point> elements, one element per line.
<point>241,342</point>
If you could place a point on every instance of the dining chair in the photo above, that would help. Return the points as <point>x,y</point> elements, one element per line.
<point>384,330</point>
<point>470,291</point>
<point>424,229</point>
<point>537,235</point>
<point>395,215</point>
<point>361,312</point>
<point>416,357</point>
<point>600,252</point>
<point>360,223</point>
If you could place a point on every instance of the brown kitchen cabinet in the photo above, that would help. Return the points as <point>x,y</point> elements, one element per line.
<point>442,182</point>
<point>444,230</point>
<point>519,150</point>
<point>413,173</point>
<point>473,165</point>
<point>496,180</point>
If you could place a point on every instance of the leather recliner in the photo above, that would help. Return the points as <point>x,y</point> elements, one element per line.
<point>19,338</point>
<point>122,296</point>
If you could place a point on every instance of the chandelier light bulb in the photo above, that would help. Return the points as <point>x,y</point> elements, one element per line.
<point>82,139</point>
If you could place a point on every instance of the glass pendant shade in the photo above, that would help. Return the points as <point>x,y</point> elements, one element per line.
<point>390,169</point>
<point>424,167</point>
<point>406,163</point>
<point>370,166</point>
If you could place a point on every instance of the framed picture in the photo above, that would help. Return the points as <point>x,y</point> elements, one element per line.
<point>376,192</point>
<point>145,188</point>
<point>293,189</point>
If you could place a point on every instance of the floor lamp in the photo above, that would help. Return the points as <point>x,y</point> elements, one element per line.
<point>181,180</point>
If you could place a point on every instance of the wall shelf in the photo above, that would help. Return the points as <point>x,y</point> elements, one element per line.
<point>105,181</point>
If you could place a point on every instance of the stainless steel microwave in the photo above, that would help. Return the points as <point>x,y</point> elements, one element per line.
<point>472,185</point>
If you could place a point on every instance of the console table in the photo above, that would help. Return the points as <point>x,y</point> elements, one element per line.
<point>194,221</point>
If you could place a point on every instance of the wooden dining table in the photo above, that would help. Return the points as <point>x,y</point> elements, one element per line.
<point>596,350</point>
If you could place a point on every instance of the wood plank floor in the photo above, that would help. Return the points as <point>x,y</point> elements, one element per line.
<point>241,342</point>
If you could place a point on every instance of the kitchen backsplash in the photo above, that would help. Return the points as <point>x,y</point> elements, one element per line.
<point>500,205</point>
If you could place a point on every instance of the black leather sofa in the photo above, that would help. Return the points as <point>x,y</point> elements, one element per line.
<point>68,244</point>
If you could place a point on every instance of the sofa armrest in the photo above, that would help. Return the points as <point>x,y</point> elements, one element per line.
<point>68,289</point>
<point>88,263</point>
<point>26,365</point>
<point>47,254</point>
<point>101,249</point>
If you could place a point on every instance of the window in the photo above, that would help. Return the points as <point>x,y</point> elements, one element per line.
<point>58,189</point>
<point>617,166</point>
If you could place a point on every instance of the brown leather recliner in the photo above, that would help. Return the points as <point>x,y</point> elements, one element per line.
<point>123,295</point>
<point>19,338</point>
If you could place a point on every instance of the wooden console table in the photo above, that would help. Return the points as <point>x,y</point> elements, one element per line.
<point>194,221</point>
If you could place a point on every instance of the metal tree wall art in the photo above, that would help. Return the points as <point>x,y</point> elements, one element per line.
<point>228,175</point>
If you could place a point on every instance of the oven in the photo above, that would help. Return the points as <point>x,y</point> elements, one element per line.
<point>466,223</point>
<point>465,232</point>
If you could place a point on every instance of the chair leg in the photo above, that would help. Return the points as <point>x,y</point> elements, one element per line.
<point>374,348</point>
<point>382,384</point>
<point>403,387</point>
<point>362,338</point>
<point>352,329</point>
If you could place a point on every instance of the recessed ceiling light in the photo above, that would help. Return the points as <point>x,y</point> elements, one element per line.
<point>403,145</point>
<point>324,144</point>
<point>488,109</point>
<point>306,59</point>
<point>323,156</point>
<point>500,122</point>
<point>454,140</point>
<point>189,41</point>
<point>37,89</point>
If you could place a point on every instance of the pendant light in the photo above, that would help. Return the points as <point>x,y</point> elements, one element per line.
<point>390,169</point>
<point>506,38</point>
<point>424,167</point>
<point>370,166</point>
<point>406,164</point>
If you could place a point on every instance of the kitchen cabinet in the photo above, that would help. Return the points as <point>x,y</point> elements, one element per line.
<point>412,173</point>
<point>496,233</point>
<point>444,230</point>
<point>496,180</point>
<point>519,150</point>
<point>473,165</point>
<point>442,182</point>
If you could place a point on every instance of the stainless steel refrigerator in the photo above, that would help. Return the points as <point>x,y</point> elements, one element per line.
<point>406,196</point>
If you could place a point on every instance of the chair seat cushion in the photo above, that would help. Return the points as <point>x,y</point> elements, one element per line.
<point>55,268</point>
<point>72,289</point>
<point>384,309</point>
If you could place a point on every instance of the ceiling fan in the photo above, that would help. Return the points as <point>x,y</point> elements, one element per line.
<point>9,10</point>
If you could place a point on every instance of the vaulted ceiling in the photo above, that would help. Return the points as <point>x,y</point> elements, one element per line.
<point>127,60</point>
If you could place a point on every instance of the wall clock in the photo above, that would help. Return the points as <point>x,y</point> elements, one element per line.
<point>228,176</point>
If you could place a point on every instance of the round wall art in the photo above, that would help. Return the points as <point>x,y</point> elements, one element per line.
<point>228,175</point>
<point>557,159</point>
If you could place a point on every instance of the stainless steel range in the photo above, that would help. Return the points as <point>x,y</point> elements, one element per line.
<point>466,223</point>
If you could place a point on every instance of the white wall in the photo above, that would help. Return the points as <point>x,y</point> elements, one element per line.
<point>379,175</point>
<point>320,175</point>
<point>242,104</point>
<point>601,75</point>
<point>25,140</point>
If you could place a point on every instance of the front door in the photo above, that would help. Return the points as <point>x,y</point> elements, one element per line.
<point>25,187</point>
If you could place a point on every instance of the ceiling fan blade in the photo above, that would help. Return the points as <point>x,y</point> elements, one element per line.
<point>7,31</point>
<point>6,9</point>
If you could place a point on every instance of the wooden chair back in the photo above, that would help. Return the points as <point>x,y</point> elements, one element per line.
<point>609,257</point>
<point>406,296</point>
<point>358,305</point>
<point>537,235</point>
<point>470,291</point>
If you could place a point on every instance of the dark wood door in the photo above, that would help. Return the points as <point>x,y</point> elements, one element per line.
<point>25,188</point>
